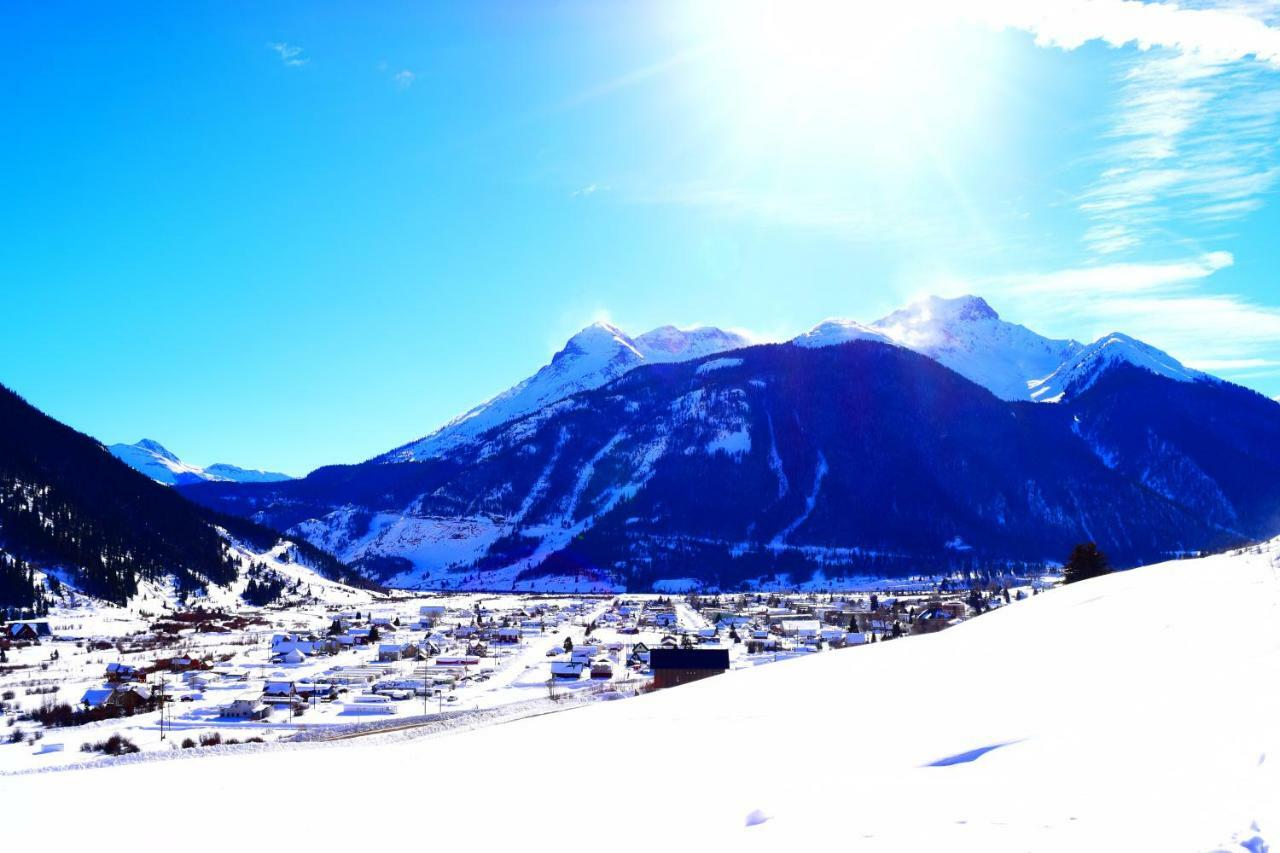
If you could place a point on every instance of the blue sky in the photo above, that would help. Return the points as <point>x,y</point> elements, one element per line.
<point>289,234</point>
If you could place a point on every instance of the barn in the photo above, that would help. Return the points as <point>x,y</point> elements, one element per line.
<point>680,666</point>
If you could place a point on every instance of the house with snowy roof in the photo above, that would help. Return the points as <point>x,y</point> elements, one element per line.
<point>27,631</point>
<point>118,672</point>
<point>391,652</point>
<point>246,707</point>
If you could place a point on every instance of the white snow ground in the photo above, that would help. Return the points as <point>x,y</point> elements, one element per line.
<point>1132,712</point>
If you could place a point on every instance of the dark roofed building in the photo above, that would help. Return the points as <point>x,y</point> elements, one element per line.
<point>27,631</point>
<point>680,666</point>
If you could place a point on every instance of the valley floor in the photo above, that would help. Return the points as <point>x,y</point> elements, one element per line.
<point>1136,711</point>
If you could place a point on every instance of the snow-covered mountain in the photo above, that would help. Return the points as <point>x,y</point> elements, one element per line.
<point>861,459</point>
<point>963,333</point>
<point>1086,364</point>
<point>836,331</point>
<point>593,357</point>
<point>966,335</point>
<point>854,449</point>
<point>1009,360</point>
<point>160,464</point>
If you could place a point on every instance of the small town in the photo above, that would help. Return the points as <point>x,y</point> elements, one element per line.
<point>80,685</point>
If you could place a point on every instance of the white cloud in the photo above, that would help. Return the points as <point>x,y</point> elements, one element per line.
<point>1194,141</point>
<point>403,78</point>
<point>1124,278</point>
<point>1164,304</point>
<point>589,189</point>
<point>290,55</point>
<point>1217,32</point>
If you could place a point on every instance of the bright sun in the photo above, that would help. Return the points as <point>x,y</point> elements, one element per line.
<point>810,75</point>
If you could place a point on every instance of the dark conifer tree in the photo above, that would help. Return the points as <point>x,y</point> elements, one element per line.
<point>1085,562</point>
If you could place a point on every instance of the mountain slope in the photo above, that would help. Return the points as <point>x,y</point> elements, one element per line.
<point>157,462</point>
<point>593,357</point>
<point>966,335</point>
<point>786,461</point>
<point>68,505</point>
<point>1212,446</point>
<point>1100,716</point>
<point>1084,366</point>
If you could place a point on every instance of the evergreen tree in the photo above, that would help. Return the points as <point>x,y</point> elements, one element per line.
<point>1086,561</point>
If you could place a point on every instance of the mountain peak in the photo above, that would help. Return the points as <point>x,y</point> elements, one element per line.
<point>152,446</point>
<point>967,335</point>
<point>595,356</point>
<point>151,458</point>
<point>1079,372</point>
<point>945,310</point>
<point>599,338</point>
<point>836,331</point>
<point>669,343</point>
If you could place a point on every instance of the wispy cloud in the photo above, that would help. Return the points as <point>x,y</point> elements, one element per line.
<point>589,189</point>
<point>1123,278</point>
<point>1194,142</point>
<point>290,54</point>
<point>401,79</point>
<point>1166,304</point>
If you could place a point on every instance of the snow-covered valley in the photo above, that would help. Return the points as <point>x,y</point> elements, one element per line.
<point>1116,713</point>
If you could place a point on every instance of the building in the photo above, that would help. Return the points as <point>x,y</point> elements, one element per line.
<point>639,653</point>
<point>937,617</point>
<point>97,697</point>
<point>246,707</point>
<point>568,669</point>
<point>128,696</point>
<point>801,628</point>
<point>182,664</point>
<point>120,672</point>
<point>27,632</point>
<point>389,652</point>
<point>672,667</point>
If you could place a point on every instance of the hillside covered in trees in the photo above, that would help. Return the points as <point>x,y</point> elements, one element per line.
<point>67,504</point>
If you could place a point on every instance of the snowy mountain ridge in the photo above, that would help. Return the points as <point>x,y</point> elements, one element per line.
<point>153,459</point>
<point>964,334</point>
<point>1084,366</point>
<point>968,336</point>
<point>593,357</point>
<point>1011,361</point>
<point>865,459</point>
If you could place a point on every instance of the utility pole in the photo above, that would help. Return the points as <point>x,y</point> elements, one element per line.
<point>162,691</point>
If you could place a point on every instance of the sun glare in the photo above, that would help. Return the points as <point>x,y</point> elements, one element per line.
<point>847,76</point>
